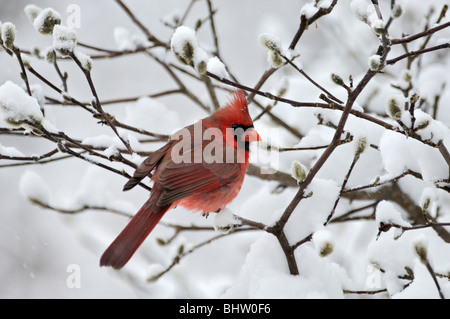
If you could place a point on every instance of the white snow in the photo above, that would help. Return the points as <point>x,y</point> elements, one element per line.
<point>309,10</point>
<point>127,41</point>
<point>400,153</point>
<point>184,44</point>
<point>33,187</point>
<point>432,82</point>
<point>110,144</point>
<point>388,214</point>
<point>10,151</point>
<point>225,221</point>
<point>361,8</point>
<point>32,11</point>
<point>16,106</point>
<point>266,275</point>
<point>123,40</point>
<point>99,141</point>
<point>427,128</point>
<point>312,212</point>
<point>64,40</point>
<point>85,60</point>
<point>374,62</point>
<point>215,66</point>
<point>45,21</point>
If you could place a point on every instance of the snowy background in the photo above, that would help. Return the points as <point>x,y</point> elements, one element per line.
<point>39,248</point>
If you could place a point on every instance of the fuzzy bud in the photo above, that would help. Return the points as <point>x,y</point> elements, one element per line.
<point>47,19</point>
<point>326,249</point>
<point>406,76</point>
<point>62,147</point>
<point>420,248</point>
<point>270,42</point>
<point>414,98</point>
<point>198,24</point>
<point>426,203</point>
<point>64,40</point>
<point>49,55</point>
<point>323,241</point>
<point>426,198</point>
<point>85,60</point>
<point>201,67</point>
<point>298,171</point>
<point>378,26</point>
<point>184,44</point>
<point>225,221</point>
<point>275,59</point>
<point>422,125</point>
<point>8,35</point>
<point>200,61</point>
<point>360,146</point>
<point>187,53</point>
<point>161,242</point>
<point>393,108</point>
<point>337,79</point>
<point>375,63</point>
<point>397,11</point>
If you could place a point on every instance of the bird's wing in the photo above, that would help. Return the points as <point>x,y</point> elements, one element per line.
<point>146,167</point>
<point>187,179</point>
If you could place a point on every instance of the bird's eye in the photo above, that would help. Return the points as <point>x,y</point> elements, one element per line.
<point>243,127</point>
<point>239,130</point>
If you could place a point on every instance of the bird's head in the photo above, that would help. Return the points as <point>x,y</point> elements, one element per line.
<point>235,123</point>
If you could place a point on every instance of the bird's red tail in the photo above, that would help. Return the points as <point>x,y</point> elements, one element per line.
<point>129,240</point>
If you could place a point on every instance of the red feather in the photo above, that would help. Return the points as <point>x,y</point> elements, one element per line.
<point>199,186</point>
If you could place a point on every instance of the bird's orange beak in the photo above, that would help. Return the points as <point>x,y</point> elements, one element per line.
<point>251,135</point>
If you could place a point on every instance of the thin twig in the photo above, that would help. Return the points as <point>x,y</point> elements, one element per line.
<point>420,35</point>
<point>344,184</point>
<point>305,23</point>
<point>78,210</point>
<point>418,52</point>
<point>302,72</point>
<point>23,68</point>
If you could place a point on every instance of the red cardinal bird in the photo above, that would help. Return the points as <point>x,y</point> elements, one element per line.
<point>201,168</point>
